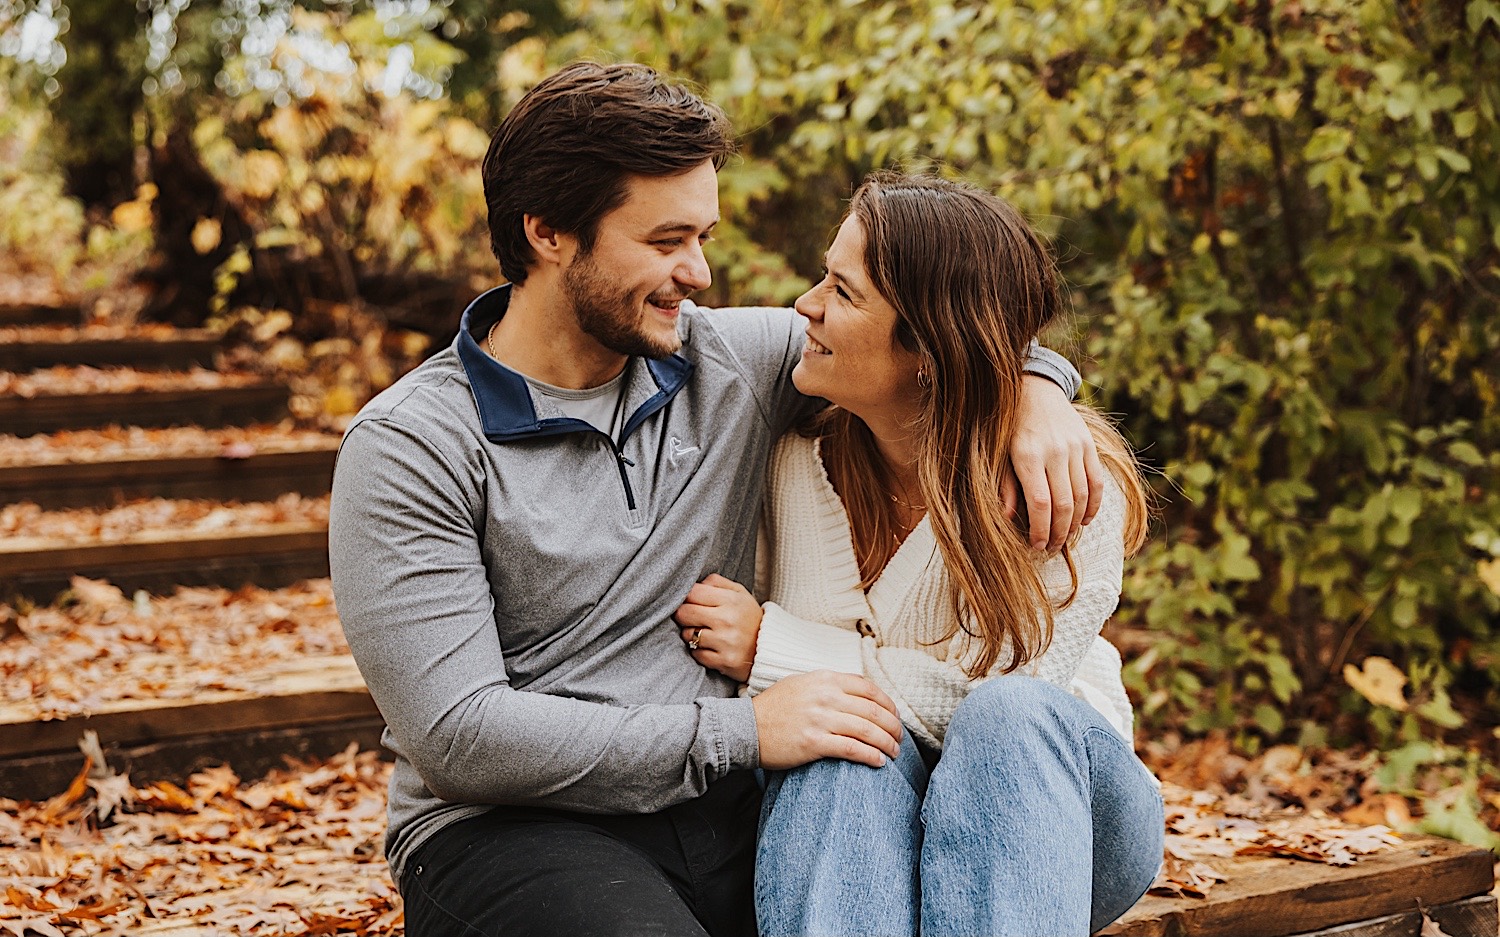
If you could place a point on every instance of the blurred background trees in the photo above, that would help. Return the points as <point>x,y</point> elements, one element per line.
<point>1280,220</point>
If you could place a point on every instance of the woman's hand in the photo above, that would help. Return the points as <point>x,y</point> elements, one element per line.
<point>720,623</point>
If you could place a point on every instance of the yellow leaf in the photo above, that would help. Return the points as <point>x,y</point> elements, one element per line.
<point>131,217</point>
<point>206,235</point>
<point>1489,574</point>
<point>263,173</point>
<point>275,322</point>
<point>1379,681</point>
<point>340,401</point>
<point>465,140</point>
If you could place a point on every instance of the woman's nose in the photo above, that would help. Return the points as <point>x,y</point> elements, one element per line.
<point>807,305</point>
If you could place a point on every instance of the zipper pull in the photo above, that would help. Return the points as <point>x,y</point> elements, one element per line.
<point>623,458</point>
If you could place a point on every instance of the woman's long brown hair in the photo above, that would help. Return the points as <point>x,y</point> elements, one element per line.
<point>971,284</point>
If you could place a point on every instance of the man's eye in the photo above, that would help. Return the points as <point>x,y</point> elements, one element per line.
<point>668,242</point>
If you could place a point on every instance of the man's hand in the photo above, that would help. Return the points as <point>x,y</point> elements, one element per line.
<point>824,714</point>
<point>720,624</point>
<point>1056,464</point>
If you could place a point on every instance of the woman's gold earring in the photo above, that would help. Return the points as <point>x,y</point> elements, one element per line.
<point>924,380</point>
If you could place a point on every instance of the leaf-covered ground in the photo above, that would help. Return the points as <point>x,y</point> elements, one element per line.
<point>102,647</point>
<point>65,380</point>
<point>298,852</point>
<point>134,442</point>
<point>182,517</point>
<point>94,331</point>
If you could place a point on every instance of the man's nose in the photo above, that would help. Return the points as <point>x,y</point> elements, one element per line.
<point>693,272</point>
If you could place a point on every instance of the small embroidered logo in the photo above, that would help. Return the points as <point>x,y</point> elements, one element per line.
<point>675,448</point>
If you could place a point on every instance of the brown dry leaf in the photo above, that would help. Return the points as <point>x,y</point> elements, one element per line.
<point>110,794</point>
<point>1390,810</point>
<point>213,782</point>
<point>1181,878</point>
<point>1431,928</point>
<point>166,795</point>
<point>1379,681</point>
<point>32,925</point>
<point>62,807</point>
<point>97,593</point>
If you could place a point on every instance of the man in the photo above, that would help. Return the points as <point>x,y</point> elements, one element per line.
<point>515,522</point>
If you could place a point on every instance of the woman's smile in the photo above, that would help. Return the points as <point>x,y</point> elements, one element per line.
<point>813,347</point>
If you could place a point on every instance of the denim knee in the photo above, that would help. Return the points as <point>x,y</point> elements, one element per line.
<point>1009,701</point>
<point>849,778</point>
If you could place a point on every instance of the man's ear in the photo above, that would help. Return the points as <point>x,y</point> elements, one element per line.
<point>551,245</point>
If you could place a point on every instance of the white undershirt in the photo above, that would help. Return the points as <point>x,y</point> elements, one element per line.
<point>600,407</point>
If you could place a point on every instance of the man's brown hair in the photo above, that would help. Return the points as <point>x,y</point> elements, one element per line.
<point>566,151</point>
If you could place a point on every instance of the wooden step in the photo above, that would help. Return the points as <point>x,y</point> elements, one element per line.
<point>258,477</point>
<point>288,694</point>
<point>270,556</point>
<point>39,314</point>
<point>188,350</point>
<point>212,407</point>
<point>1267,896</point>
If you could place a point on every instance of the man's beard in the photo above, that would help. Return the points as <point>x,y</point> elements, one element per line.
<point>609,316</point>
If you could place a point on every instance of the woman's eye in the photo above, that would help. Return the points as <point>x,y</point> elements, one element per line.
<point>840,290</point>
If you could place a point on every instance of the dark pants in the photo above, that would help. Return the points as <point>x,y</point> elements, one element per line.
<point>686,870</point>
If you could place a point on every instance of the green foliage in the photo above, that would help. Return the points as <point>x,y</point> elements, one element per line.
<point>377,183</point>
<point>1283,224</point>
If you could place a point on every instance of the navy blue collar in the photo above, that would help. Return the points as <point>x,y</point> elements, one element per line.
<point>506,409</point>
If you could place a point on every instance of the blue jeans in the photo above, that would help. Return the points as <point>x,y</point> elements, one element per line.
<point>1037,819</point>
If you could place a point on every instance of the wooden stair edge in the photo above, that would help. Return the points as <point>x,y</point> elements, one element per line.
<point>20,477</point>
<point>31,314</point>
<point>307,692</point>
<point>1272,897</point>
<point>141,352</point>
<point>30,556</point>
<point>144,396</point>
<point>252,754</point>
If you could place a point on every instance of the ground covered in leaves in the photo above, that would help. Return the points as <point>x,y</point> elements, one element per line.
<point>180,517</point>
<point>134,442</point>
<point>296,853</point>
<point>101,646</point>
<point>67,380</point>
<point>300,851</point>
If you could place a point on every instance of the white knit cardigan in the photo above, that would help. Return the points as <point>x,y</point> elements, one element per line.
<point>818,618</point>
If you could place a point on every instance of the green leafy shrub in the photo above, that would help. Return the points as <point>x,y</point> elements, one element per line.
<point>1282,221</point>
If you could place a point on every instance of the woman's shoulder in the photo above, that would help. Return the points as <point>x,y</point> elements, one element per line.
<point>794,461</point>
<point>1101,540</point>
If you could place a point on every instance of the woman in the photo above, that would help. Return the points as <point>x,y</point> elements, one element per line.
<point>1016,805</point>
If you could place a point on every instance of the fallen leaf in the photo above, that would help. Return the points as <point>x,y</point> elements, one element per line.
<point>1379,681</point>
<point>1489,574</point>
